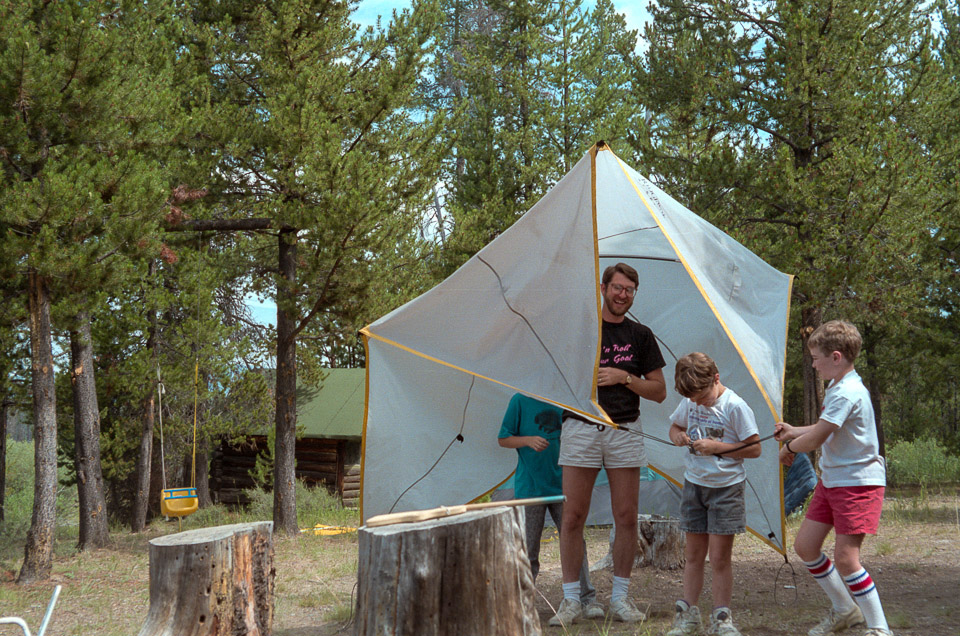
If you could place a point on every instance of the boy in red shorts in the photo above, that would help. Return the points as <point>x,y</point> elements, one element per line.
<point>849,496</point>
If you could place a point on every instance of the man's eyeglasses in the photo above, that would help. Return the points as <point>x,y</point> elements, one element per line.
<point>617,288</point>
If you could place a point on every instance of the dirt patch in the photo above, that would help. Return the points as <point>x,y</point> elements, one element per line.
<point>912,559</point>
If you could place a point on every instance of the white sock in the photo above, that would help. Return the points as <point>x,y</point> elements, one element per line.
<point>572,591</point>
<point>620,585</point>
<point>832,583</point>
<point>865,594</point>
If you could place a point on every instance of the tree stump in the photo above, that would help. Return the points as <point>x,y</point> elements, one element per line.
<point>212,582</point>
<point>461,575</point>
<point>660,543</point>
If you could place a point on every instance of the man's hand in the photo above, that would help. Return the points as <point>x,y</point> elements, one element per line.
<point>537,443</point>
<point>786,457</point>
<point>608,376</point>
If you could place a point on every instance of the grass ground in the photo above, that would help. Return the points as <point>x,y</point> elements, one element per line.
<point>913,560</point>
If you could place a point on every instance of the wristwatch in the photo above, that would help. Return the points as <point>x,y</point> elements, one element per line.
<point>629,378</point>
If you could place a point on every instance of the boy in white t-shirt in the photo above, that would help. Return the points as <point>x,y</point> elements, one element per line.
<point>849,496</point>
<point>719,428</point>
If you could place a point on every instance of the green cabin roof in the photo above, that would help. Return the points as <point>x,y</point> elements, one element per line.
<point>335,409</point>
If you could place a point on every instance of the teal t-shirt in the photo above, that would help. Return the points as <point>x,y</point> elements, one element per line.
<point>538,474</point>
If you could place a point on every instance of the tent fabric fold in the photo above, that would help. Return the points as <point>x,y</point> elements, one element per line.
<point>522,315</point>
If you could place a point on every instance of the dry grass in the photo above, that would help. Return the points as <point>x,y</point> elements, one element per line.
<point>913,560</point>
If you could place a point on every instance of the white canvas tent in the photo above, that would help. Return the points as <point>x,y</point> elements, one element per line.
<point>524,315</point>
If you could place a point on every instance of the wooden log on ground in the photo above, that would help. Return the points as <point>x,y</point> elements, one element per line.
<point>461,575</point>
<point>212,582</point>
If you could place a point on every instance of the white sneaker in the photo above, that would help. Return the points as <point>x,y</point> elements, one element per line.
<point>721,624</point>
<point>877,631</point>
<point>625,611</point>
<point>836,621</point>
<point>593,610</point>
<point>686,622</point>
<point>567,614</point>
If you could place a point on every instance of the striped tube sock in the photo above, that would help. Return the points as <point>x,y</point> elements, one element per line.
<point>832,583</point>
<point>866,595</point>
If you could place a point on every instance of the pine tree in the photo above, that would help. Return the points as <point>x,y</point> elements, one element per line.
<point>792,125</point>
<point>318,149</point>
<point>535,84</point>
<point>77,105</point>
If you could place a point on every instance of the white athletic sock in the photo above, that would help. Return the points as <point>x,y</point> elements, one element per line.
<point>620,585</point>
<point>866,595</point>
<point>832,583</point>
<point>572,591</point>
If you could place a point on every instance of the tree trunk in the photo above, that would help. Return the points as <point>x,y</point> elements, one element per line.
<point>874,384</point>
<point>462,575</point>
<point>284,501</point>
<point>203,473</point>
<point>810,319</point>
<point>94,529</point>
<point>38,551</point>
<point>4,412</point>
<point>203,452</point>
<point>212,582</point>
<point>141,494</point>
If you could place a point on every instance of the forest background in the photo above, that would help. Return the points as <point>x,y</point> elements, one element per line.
<point>163,162</point>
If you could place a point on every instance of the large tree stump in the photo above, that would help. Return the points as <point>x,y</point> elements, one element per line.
<point>212,582</point>
<point>660,543</point>
<point>466,574</point>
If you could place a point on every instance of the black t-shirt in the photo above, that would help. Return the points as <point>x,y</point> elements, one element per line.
<point>630,346</point>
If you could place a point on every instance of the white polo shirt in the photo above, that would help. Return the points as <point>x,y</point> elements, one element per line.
<point>851,455</point>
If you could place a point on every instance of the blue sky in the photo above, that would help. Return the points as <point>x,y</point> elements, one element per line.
<point>367,12</point>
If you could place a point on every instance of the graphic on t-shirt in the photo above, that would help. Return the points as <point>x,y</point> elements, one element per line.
<point>619,353</point>
<point>548,421</point>
<point>703,425</point>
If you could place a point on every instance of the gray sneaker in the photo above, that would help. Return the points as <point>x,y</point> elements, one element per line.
<point>686,622</point>
<point>836,621</point>
<point>625,611</point>
<point>593,610</point>
<point>721,624</point>
<point>567,614</point>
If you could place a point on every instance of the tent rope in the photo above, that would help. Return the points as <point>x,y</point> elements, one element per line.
<point>458,438</point>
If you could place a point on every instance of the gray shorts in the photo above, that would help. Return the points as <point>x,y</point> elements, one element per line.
<point>585,446</point>
<point>706,510</point>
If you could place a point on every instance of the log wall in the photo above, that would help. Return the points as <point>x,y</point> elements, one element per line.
<point>319,462</point>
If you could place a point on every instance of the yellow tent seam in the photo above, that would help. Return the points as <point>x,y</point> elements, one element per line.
<point>596,264</point>
<point>726,330</point>
<point>366,415</point>
<point>703,293</point>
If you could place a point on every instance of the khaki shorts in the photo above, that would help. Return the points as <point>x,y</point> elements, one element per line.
<point>585,446</point>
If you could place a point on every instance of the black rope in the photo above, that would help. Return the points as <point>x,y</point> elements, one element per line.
<point>602,425</point>
<point>458,438</point>
<point>793,575</point>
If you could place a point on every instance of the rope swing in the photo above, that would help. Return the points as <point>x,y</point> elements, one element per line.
<point>180,502</point>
